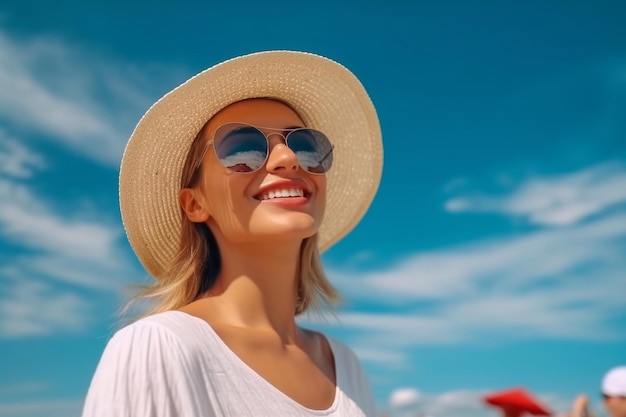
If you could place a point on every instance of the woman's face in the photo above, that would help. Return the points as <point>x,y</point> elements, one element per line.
<point>243,207</point>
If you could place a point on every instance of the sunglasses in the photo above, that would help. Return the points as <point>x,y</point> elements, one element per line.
<point>244,148</point>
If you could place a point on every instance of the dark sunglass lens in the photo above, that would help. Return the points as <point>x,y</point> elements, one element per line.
<point>243,149</point>
<point>313,150</point>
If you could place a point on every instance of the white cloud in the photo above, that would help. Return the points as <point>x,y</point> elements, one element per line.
<point>61,260</point>
<point>87,103</point>
<point>26,221</point>
<point>60,263</point>
<point>381,355</point>
<point>552,283</point>
<point>21,388</point>
<point>30,307</point>
<point>410,402</point>
<point>16,160</point>
<point>403,397</point>
<point>556,201</point>
<point>557,283</point>
<point>506,264</point>
<point>58,408</point>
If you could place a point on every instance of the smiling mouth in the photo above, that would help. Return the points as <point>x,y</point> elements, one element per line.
<point>283,193</point>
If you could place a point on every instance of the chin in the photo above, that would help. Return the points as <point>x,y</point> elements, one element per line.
<point>304,224</point>
<point>295,231</point>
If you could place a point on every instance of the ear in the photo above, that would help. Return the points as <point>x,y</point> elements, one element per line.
<point>193,208</point>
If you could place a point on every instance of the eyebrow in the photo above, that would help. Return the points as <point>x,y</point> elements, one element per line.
<point>283,130</point>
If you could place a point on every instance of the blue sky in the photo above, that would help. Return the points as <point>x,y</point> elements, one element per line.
<point>494,254</point>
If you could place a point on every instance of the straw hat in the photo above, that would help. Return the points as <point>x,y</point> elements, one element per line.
<point>326,95</point>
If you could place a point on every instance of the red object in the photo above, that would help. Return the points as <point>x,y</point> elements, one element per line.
<point>515,402</point>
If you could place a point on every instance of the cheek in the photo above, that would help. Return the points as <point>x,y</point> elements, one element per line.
<point>216,191</point>
<point>226,198</point>
<point>320,184</point>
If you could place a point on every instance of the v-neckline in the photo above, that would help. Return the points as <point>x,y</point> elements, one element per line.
<point>249,369</point>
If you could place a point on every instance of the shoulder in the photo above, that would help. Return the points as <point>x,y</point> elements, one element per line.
<point>148,368</point>
<point>168,339</point>
<point>156,334</point>
<point>174,324</point>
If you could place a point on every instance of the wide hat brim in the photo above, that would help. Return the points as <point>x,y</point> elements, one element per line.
<point>326,95</point>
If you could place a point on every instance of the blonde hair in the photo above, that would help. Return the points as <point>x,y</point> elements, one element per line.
<point>197,263</point>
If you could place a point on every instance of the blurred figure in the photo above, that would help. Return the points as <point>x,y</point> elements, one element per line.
<point>613,395</point>
<point>580,407</point>
<point>614,391</point>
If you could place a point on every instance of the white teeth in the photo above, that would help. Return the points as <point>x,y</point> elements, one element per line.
<point>287,192</point>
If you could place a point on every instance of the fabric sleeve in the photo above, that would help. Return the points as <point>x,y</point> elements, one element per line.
<point>356,384</point>
<point>145,371</point>
<point>364,389</point>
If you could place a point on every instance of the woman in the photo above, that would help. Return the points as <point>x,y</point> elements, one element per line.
<point>229,187</point>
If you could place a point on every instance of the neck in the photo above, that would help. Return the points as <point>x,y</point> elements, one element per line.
<point>257,285</point>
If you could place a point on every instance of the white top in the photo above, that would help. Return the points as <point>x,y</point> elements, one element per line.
<point>173,364</point>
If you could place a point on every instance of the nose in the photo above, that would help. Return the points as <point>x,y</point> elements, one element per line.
<point>281,158</point>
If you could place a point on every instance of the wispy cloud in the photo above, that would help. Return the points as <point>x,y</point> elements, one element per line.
<point>26,221</point>
<point>554,201</point>
<point>551,283</point>
<point>58,408</point>
<point>85,102</point>
<point>30,307</point>
<point>11,406</point>
<point>22,388</point>
<point>16,160</point>
<point>56,259</point>
<point>447,404</point>
<point>410,402</point>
